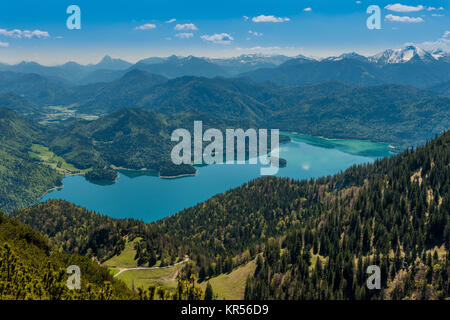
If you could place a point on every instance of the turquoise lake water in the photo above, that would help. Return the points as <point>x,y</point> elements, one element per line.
<point>150,198</point>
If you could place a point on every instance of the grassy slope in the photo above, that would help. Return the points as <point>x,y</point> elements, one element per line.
<point>143,278</point>
<point>45,156</point>
<point>231,286</point>
<point>126,258</point>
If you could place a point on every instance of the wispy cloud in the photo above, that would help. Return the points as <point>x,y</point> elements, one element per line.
<point>184,35</point>
<point>186,26</point>
<point>270,50</point>
<point>404,19</point>
<point>147,26</point>
<point>307,9</point>
<point>263,18</point>
<point>16,33</point>
<point>398,7</point>
<point>442,43</point>
<point>221,38</point>
<point>245,18</point>
<point>434,9</point>
<point>255,33</point>
<point>4,44</point>
<point>171,20</point>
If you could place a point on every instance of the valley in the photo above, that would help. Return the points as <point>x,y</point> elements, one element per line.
<point>86,177</point>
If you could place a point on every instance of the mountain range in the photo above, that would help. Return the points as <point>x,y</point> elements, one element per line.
<point>409,65</point>
<point>393,113</point>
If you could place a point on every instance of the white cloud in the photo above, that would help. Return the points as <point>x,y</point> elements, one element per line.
<point>437,15</point>
<point>433,8</point>
<point>186,26</point>
<point>245,18</point>
<point>442,43</point>
<point>263,18</point>
<point>221,38</point>
<point>307,9</point>
<point>358,2</point>
<point>4,44</point>
<point>403,8</point>
<point>255,33</point>
<point>16,33</point>
<point>404,19</point>
<point>290,51</point>
<point>147,26</point>
<point>184,35</point>
<point>171,20</point>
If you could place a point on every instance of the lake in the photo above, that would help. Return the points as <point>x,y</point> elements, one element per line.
<point>142,195</point>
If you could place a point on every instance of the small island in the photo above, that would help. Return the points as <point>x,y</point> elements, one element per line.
<point>102,174</point>
<point>170,170</point>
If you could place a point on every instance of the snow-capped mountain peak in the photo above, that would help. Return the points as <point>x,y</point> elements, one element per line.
<point>350,55</point>
<point>403,55</point>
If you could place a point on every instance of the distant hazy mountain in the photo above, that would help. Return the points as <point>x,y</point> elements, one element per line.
<point>399,114</point>
<point>152,60</point>
<point>443,88</point>
<point>174,67</point>
<point>112,64</point>
<point>249,62</point>
<point>124,92</point>
<point>410,65</point>
<point>19,104</point>
<point>299,71</point>
<point>351,55</point>
<point>34,87</point>
<point>101,75</point>
<point>71,71</point>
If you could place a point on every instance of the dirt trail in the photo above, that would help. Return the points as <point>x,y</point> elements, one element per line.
<point>150,268</point>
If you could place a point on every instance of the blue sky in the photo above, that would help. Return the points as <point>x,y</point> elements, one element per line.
<point>137,29</point>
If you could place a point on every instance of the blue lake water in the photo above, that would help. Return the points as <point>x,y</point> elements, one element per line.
<point>151,198</point>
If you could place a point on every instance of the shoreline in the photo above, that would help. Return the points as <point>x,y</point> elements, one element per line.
<point>158,174</point>
<point>50,190</point>
<point>341,139</point>
<point>179,176</point>
<point>62,185</point>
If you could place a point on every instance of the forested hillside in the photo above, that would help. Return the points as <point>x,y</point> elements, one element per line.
<point>31,269</point>
<point>22,180</point>
<point>313,238</point>
<point>385,111</point>
<point>397,114</point>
